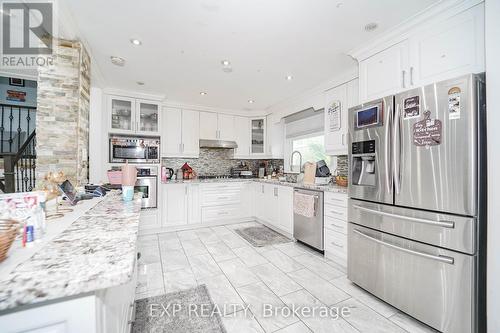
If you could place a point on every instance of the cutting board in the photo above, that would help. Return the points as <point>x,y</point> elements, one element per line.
<point>309,173</point>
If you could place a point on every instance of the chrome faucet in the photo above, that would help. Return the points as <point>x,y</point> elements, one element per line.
<point>300,161</point>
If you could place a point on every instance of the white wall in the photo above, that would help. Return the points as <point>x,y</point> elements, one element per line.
<point>492,92</point>
<point>97,136</point>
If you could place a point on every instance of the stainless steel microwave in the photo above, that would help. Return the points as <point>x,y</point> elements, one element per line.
<point>134,149</point>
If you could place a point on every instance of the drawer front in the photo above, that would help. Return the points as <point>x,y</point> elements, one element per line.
<point>210,198</point>
<point>220,187</point>
<point>336,243</point>
<point>429,283</point>
<point>337,212</point>
<point>336,225</point>
<point>338,199</point>
<point>217,213</point>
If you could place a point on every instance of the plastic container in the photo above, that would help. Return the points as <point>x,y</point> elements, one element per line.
<point>127,193</point>
<point>129,175</point>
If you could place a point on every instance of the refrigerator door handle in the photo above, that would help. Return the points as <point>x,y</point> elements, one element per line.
<point>444,224</point>
<point>389,140</point>
<point>396,149</point>
<point>444,259</point>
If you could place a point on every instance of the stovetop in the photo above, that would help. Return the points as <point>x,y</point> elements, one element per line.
<point>216,177</point>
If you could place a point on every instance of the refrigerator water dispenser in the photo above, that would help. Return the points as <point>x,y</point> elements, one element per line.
<point>363,163</point>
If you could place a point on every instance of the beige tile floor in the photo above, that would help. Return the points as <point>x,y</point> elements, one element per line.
<point>246,278</point>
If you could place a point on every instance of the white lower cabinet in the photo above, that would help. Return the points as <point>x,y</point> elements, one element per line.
<point>335,227</point>
<point>174,204</point>
<point>273,204</point>
<point>224,201</point>
<point>108,310</point>
<point>193,204</point>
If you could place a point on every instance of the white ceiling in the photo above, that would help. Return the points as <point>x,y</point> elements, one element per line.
<point>184,42</point>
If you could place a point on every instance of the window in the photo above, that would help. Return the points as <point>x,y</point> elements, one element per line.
<point>311,147</point>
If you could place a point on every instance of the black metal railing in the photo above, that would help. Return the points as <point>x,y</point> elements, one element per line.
<point>17,123</point>
<point>19,168</point>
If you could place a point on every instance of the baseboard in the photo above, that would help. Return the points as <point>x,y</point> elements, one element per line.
<point>193,226</point>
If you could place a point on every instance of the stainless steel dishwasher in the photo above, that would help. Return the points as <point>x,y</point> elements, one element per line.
<point>309,230</point>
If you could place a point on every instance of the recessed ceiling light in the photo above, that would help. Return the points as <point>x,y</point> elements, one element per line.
<point>4,13</point>
<point>289,77</point>
<point>136,42</point>
<point>118,61</point>
<point>140,83</point>
<point>203,93</point>
<point>225,63</point>
<point>251,101</point>
<point>339,4</point>
<point>371,26</point>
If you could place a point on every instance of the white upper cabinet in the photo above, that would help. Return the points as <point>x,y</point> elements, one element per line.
<point>336,106</point>
<point>242,137</point>
<point>208,127</point>
<point>133,116</point>
<point>258,136</point>
<point>216,126</point>
<point>147,117</point>
<point>438,51</point>
<point>180,133</point>
<point>171,139</point>
<point>225,125</point>
<point>276,139</point>
<point>451,48</point>
<point>384,73</point>
<point>190,133</point>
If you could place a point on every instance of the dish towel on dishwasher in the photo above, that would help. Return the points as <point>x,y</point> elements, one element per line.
<point>303,204</point>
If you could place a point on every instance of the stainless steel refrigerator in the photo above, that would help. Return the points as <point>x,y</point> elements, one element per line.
<point>417,207</point>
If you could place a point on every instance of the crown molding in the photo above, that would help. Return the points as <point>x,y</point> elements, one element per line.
<point>432,14</point>
<point>197,107</point>
<point>133,94</point>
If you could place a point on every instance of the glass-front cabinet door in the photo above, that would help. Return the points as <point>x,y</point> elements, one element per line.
<point>122,112</point>
<point>147,117</point>
<point>258,136</point>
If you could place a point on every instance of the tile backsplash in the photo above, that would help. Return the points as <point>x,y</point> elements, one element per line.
<point>342,165</point>
<point>215,161</point>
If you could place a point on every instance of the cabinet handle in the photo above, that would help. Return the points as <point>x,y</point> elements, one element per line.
<point>411,76</point>
<point>262,188</point>
<point>343,138</point>
<point>403,79</point>
<point>223,198</point>
<point>336,226</point>
<point>337,213</point>
<point>335,199</point>
<point>222,213</point>
<point>337,245</point>
<point>182,147</point>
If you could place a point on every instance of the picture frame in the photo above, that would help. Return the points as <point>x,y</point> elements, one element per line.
<point>16,82</point>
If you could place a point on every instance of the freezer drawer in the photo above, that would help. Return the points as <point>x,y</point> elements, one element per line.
<point>449,231</point>
<point>431,284</point>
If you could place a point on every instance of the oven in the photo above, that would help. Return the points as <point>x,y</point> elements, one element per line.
<point>134,149</point>
<point>147,183</point>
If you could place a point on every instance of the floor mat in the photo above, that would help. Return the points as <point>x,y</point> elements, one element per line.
<point>260,236</point>
<point>186,311</point>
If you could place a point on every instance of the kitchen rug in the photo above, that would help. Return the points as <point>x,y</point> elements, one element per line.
<point>186,311</point>
<point>262,236</point>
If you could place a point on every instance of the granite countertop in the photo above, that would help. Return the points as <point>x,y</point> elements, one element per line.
<point>324,188</point>
<point>96,251</point>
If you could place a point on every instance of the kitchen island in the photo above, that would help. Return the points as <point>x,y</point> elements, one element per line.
<point>90,268</point>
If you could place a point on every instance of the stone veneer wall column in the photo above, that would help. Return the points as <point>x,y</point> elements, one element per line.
<point>62,122</point>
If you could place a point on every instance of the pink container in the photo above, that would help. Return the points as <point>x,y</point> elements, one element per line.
<point>115,177</point>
